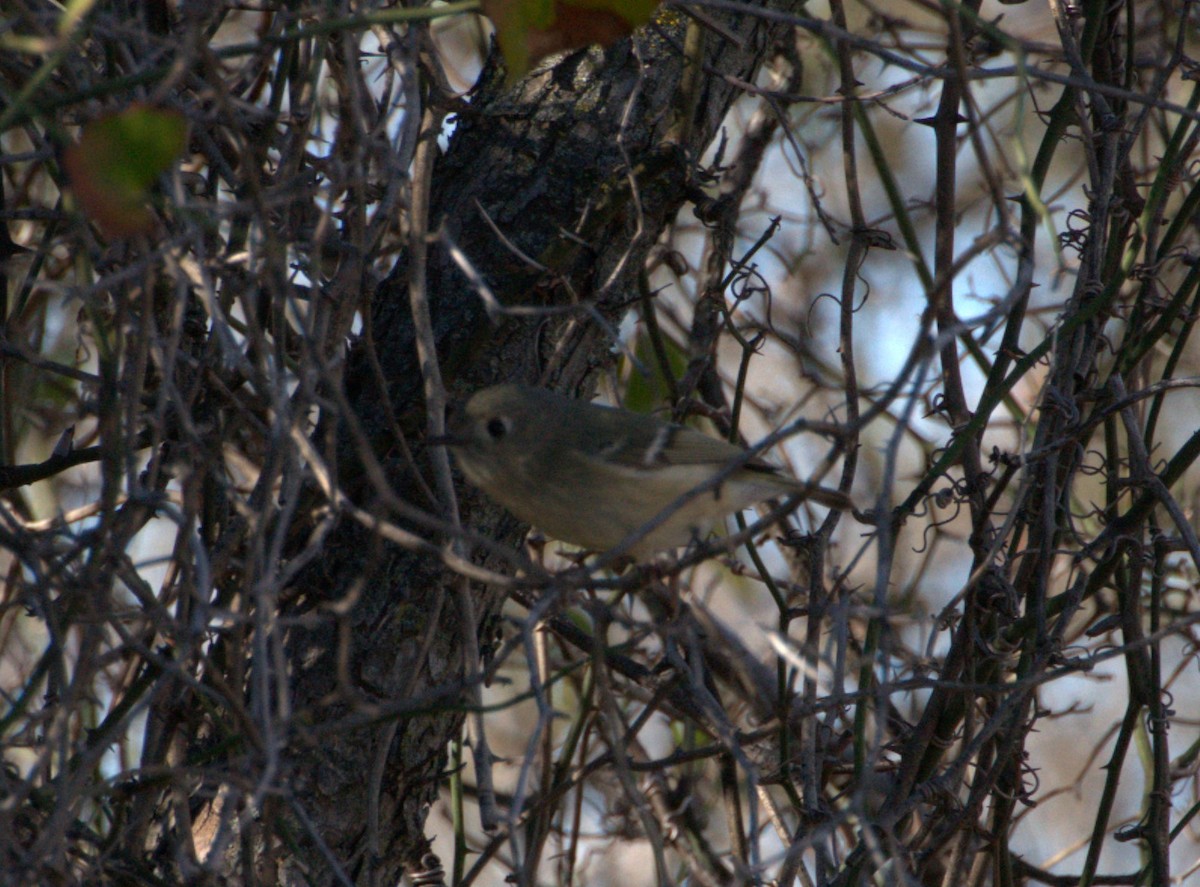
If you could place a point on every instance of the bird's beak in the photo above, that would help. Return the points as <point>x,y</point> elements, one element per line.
<point>453,434</point>
<point>449,439</point>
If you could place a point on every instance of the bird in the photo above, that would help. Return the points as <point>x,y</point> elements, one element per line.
<point>593,475</point>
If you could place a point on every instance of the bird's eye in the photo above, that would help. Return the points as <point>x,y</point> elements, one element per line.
<point>497,428</point>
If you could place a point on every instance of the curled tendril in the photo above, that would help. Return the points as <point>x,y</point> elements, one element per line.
<point>431,875</point>
<point>934,525</point>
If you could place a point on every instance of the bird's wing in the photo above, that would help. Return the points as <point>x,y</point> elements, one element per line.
<point>652,443</point>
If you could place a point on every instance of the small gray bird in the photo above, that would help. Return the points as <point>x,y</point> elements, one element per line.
<point>591,475</point>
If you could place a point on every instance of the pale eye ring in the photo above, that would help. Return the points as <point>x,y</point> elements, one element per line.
<point>496,428</point>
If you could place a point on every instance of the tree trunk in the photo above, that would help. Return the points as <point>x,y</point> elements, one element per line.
<point>552,155</point>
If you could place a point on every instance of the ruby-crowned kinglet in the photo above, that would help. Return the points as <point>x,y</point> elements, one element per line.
<point>591,475</point>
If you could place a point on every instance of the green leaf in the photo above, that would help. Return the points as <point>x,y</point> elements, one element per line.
<point>529,30</point>
<point>647,392</point>
<point>117,161</point>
